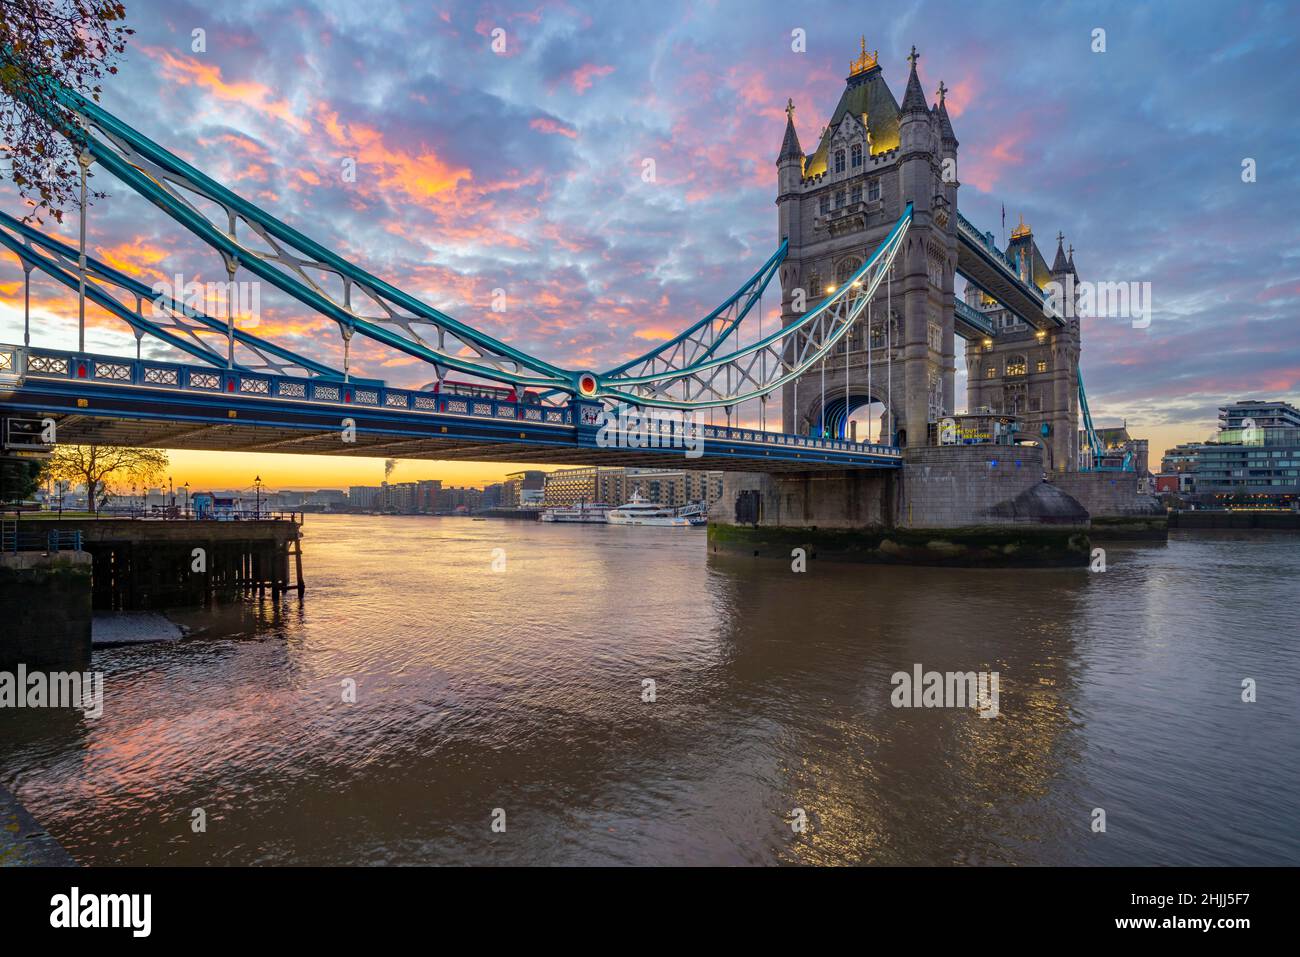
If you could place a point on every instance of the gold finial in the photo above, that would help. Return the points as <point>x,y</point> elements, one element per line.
<point>864,62</point>
<point>1022,230</point>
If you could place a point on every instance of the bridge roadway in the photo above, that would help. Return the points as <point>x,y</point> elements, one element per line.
<point>110,400</point>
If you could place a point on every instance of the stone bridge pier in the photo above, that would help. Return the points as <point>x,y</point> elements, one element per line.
<point>948,505</point>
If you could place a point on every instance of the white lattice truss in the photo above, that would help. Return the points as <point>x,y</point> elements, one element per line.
<point>698,372</point>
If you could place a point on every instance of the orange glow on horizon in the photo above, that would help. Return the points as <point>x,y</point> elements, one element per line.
<point>236,470</point>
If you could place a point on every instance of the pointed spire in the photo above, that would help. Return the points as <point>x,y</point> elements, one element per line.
<point>1070,262</point>
<point>790,148</point>
<point>945,124</point>
<point>1059,265</point>
<point>913,98</point>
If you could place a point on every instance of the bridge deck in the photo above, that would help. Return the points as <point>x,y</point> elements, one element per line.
<point>115,401</point>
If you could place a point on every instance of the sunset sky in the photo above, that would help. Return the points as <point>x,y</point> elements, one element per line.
<point>478,170</point>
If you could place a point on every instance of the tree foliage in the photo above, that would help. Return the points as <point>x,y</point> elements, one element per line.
<point>74,42</point>
<point>95,465</point>
<point>19,479</point>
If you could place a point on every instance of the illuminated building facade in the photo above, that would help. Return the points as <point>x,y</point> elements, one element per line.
<point>1254,460</point>
<point>615,486</point>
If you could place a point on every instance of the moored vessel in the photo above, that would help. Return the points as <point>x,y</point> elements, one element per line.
<point>586,513</point>
<point>637,511</point>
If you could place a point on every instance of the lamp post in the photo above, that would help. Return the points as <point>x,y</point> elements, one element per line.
<point>257,485</point>
<point>186,486</point>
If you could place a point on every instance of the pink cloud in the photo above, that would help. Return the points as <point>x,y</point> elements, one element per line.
<point>544,124</point>
<point>584,75</point>
<point>256,96</point>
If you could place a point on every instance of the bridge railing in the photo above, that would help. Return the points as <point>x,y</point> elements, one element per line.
<point>797,441</point>
<point>666,433</point>
<point>17,536</point>
<point>189,513</point>
<point>32,523</point>
<point>212,381</point>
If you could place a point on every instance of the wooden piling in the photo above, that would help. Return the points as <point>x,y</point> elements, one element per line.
<point>138,565</point>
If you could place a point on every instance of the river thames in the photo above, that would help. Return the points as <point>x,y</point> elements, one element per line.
<point>509,684</point>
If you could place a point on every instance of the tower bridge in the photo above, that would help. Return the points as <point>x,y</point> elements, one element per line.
<point>875,158</point>
<point>869,245</point>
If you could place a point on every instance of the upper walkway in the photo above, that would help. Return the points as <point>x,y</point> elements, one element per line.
<point>980,262</point>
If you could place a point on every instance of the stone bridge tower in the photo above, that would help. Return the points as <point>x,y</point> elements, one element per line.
<point>1032,374</point>
<point>836,206</point>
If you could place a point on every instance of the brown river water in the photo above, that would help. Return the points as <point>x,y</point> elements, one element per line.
<point>518,694</point>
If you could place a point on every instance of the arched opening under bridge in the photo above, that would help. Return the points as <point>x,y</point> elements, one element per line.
<point>858,411</point>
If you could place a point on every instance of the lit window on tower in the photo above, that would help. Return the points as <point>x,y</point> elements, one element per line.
<point>1042,365</point>
<point>1016,365</point>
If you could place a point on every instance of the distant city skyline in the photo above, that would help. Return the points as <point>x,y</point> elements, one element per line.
<point>299,472</point>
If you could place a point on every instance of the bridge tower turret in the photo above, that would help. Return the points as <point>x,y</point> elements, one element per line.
<point>789,172</point>
<point>872,158</point>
